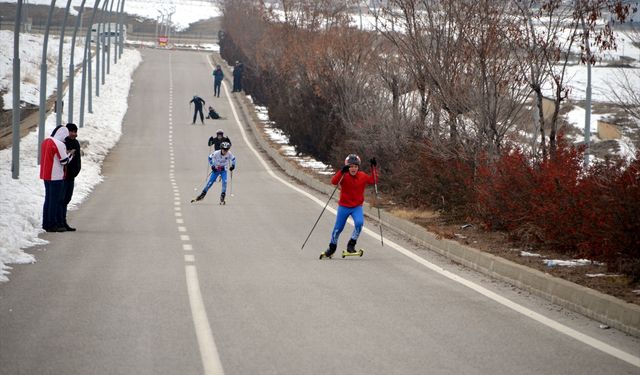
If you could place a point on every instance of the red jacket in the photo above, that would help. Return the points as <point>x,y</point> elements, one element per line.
<point>352,187</point>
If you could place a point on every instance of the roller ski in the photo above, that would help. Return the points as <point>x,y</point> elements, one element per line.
<point>357,253</point>
<point>329,252</point>
<point>351,250</point>
<point>199,197</point>
<point>222,196</point>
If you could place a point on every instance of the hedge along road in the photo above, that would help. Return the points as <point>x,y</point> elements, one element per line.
<point>153,284</point>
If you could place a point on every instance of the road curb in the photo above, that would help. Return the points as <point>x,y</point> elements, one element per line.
<point>606,309</point>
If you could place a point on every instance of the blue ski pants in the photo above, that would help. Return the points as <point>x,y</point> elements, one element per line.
<point>341,219</point>
<point>213,177</point>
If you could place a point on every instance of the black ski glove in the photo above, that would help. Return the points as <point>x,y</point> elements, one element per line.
<point>345,169</point>
<point>213,168</point>
<point>374,162</point>
<point>232,167</point>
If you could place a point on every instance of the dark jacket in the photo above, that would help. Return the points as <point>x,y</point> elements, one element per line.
<point>198,102</point>
<point>238,70</point>
<point>73,167</point>
<point>218,75</point>
<point>216,142</point>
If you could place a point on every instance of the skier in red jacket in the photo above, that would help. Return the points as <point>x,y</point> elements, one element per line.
<point>352,184</point>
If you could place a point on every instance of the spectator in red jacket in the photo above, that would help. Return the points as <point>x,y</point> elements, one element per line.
<point>53,157</point>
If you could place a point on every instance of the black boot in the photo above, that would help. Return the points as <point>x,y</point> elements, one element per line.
<point>69,228</point>
<point>329,252</point>
<point>199,197</point>
<point>351,246</point>
<point>222,195</point>
<point>332,249</point>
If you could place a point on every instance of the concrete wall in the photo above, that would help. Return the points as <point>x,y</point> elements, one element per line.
<point>607,130</point>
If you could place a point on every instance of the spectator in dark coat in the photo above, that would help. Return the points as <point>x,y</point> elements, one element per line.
<point>72,170</point>
<point>198,103</point>
<point>237,76</point>
<point>218,75</point>
<point>219,138</point>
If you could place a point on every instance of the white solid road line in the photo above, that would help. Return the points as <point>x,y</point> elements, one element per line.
<point>595,343</point>
<point>208,351</point>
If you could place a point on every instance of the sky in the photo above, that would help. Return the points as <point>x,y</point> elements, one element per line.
<point>21,200</point>
<point>186,12</point>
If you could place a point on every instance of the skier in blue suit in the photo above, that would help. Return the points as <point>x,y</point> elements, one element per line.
<point>219,161</point>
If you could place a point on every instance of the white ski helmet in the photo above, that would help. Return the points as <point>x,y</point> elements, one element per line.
<point>352,159</point>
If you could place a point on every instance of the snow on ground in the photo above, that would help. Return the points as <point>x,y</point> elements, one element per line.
<point>277,136</point>
<point>30,59</point>
<point>576,118</point>
<point>22,199</point>
<point>570,263</point>
<point>185,13</point>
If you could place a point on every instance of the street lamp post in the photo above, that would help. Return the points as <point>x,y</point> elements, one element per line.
<point>72,65</point>
<point>121,49</point>
<point>86,66</point>
<point>99,39</point>
<point>117,39</point>
<point>15,148</point>
<point>108,50</point>
<point>43,80</point>
<point>60,72</point>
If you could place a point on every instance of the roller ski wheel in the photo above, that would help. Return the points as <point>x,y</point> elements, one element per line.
<point>222,203</point>
<point>323,256</point>
<point>358,253</point>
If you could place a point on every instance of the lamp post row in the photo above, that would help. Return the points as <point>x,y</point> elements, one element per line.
<point>101,44</point>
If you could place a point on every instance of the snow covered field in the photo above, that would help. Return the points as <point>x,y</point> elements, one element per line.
<point>30,58</point>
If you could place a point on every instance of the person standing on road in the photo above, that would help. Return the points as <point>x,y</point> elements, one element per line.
<point>72,170</point>
<point>237,76</point>
<point>53,157</point>
<point>218,75</point>
<point>198,104</point>
<point>219,161</point>
<point>217,141</point>
<point>352,183</point>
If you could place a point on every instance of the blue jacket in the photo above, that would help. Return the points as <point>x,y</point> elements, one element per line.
<point>218,75</point>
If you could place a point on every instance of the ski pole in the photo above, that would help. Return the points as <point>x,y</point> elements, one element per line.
<point>325,207</point>
<point>206,179</point>
<point>375,186</point>
<point>231,184</point>
<point>208,166</point>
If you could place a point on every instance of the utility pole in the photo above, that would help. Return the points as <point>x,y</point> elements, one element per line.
<point>72,65</point>
<point>60,72</point>
<point>86,66</point>
<point>43,80</point>
<point>15,145</point>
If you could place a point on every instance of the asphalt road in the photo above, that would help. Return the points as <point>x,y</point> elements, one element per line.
<point>151,284</point>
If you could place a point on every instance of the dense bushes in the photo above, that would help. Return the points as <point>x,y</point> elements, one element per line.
<point>555,203</point>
